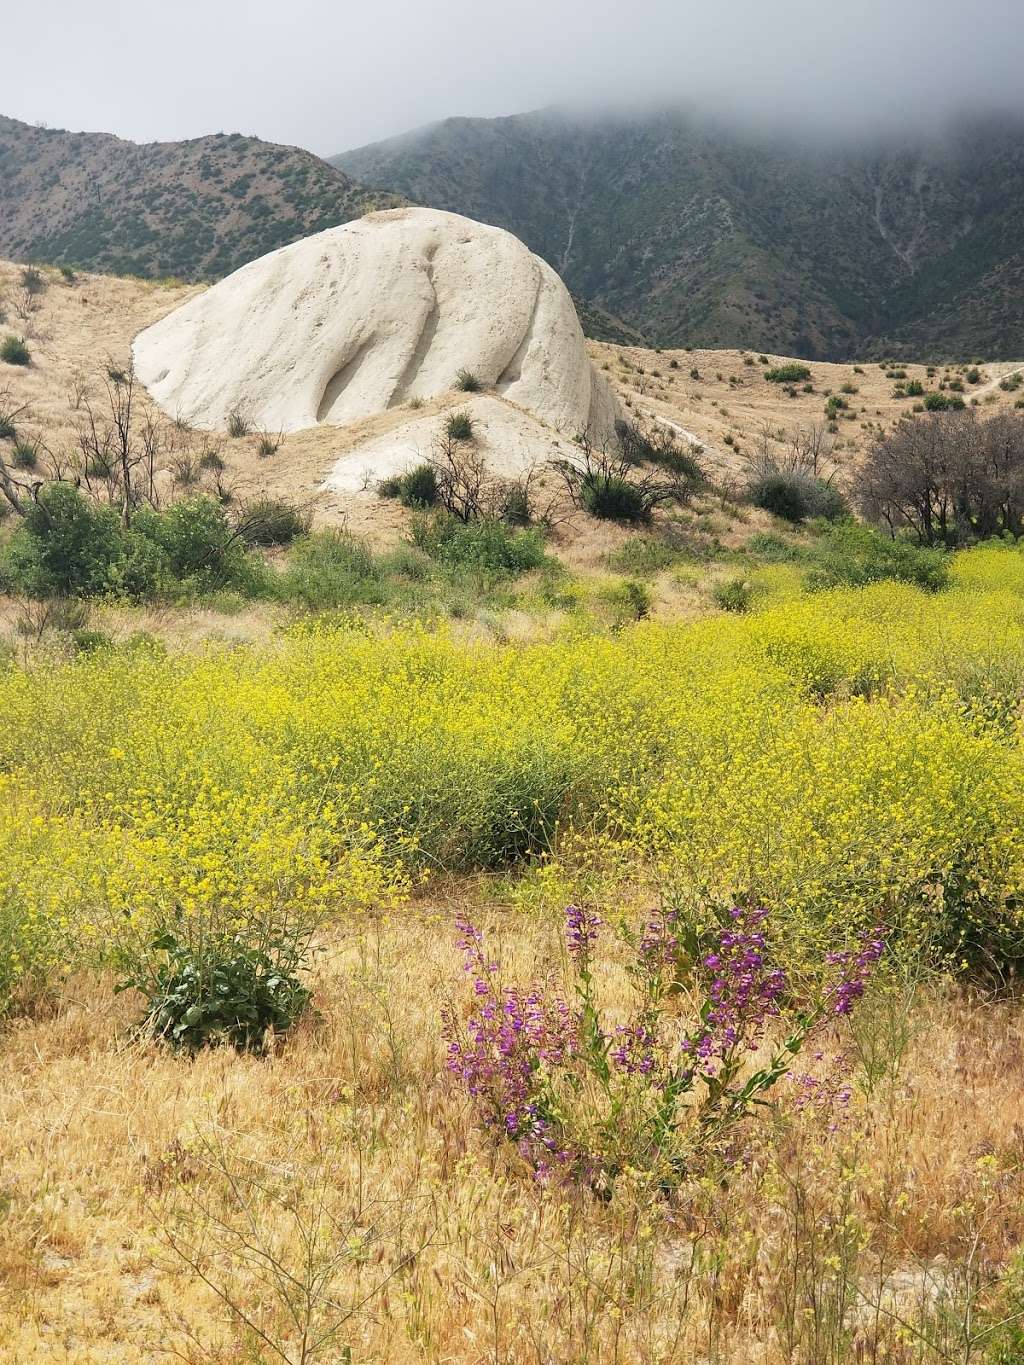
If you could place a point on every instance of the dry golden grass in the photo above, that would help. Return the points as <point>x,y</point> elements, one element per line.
<point>75,329</point>
<point>110,1150</point>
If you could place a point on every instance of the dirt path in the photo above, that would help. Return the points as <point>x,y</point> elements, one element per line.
<point>994,383</point>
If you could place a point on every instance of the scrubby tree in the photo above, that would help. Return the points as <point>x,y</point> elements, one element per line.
<point>947,478</point>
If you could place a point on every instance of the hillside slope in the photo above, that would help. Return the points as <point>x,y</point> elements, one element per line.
<point>700,235</point>
<point>195,209</point>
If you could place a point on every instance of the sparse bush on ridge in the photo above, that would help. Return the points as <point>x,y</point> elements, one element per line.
<point>788,374</point>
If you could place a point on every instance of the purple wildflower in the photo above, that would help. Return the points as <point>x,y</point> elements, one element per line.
<point>581,930</point>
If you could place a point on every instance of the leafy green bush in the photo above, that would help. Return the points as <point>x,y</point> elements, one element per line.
<point>793,373</point>
<point>797,497</point>
<point>199,544</point>
<point>852,555</point>
<point>913,388</point>
<point>613,498</point>
<point>631,601</point>
<point>942,402</point>
<point>484,545</point>
<point>272,521</point>
<point>14,351</point>
<point>467,382</point>
<point>735,594</point>
<point>227,991</point>
<point>330,569</point>
<point>66,546</point>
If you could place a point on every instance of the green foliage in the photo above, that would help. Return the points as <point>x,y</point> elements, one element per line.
<point>852,556</point>
<point>484,545</point>
<point>225,991</point>
<point>942,402</point>
<point>642,555</point>
<point>14,351</point>
<point>770,548</point>
<point>418,487</point>
<point>655,445</point>
<point>613,498</point>
<point>797,497</point>
<point>66,546</point>
<point>199,545</point>
<point>24,455</point>
<point>459,426</point>
<point>467,382</point>
<point>735,594</point>
<point>630,600</point>
<point>793,373</point>
<point>272,521</point>
<point>331,569</point>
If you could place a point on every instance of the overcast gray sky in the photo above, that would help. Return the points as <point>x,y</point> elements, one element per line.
<point>332,75</point>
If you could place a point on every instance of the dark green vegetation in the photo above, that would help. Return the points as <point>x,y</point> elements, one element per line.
<point>701,236</point>
<point>228,990</point>
<point>195,210</point>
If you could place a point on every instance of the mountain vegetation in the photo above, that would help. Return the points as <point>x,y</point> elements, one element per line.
<point>698,234</point>
<point>195,209</point>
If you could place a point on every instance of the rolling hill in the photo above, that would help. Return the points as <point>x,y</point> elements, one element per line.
<point>195,209</point>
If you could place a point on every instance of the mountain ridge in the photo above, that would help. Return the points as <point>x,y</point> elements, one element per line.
<point>194,209</point>
<point>697,233</point>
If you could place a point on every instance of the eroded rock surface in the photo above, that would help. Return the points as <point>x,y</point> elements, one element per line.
<point>370,315</point>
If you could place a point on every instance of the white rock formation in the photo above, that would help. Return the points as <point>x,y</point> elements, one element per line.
<point>367,316</point>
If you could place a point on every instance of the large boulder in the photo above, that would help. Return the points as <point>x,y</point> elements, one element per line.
<point>369,315</point>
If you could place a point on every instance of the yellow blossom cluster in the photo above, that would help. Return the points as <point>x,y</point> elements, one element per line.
<point>842,756</point>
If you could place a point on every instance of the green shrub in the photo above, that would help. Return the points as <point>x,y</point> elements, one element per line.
<point>613,498</point>
<point>973,375</point>
<point>389,487</point>
<point>331,569</point>
<point>788,374</point>
<point>14,351</point>
<point>516,508</point>
<point>24,455</point>
<point>225,990</point>
<point>485,545</point>
<point>852,555</point>
<point>913,388</point>
<point>467,382</point>
<point>418,488</point>
<point>198,541</point>
<point>459,426</point>
<point>797,497</point>
<point>66,546</point>
<point>1011,382</point>
<point>641,555</point>
<point>238,424</point>
<point>272,521</point>
<point>942,402</point>
<point>211,460</point>
<point>630,600</point>
<point>733,595</point>
<point>772,549</point>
